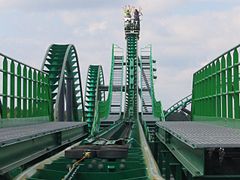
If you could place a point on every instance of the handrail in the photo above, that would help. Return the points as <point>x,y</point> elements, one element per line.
<point>216,87</point>
<point>19,62</point>
<point>237,46</point>
<point>25,90</point>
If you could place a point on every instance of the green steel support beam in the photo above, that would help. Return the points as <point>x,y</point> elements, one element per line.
<point>30,103</point>
<point>12,89</point>
<point>35,93</point>
<point>131,91</point>
<point>19,90</point>
<point>17,153</point>
<point>5,88</point>
<point>236,84</point>
<point>229,85</point>
<point>25,91</point>
<point>192,160</point>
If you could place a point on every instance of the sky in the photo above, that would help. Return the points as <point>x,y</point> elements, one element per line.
<point>185,34</point>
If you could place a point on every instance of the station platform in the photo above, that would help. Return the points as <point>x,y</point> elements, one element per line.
<point>22,144</point>
<point>204,149</point>
<point>202,135</point>
<point>15,134</point>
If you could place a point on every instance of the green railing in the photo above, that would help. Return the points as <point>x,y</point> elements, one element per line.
<point>156,105</point>
<point>216,88</point>
<point>24,91</point>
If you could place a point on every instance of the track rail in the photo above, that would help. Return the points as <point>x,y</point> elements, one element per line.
<point>131,90</point>
<point>113,103</point>
<point>93,96</point>
<point>181,104</point>
<point>61,63</point>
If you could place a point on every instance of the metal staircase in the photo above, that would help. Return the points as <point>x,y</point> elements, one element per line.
<point>145,84</point>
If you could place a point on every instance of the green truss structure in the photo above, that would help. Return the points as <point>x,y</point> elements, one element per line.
<point>93,95</point>
<point>61,63</point>
<point>131,90</point>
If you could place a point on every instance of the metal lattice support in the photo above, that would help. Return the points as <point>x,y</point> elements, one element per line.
<point>92,95</point>
<point>179,105</point>
<point>131,91</point>
<point>24,91</point>
<point>61,63</point>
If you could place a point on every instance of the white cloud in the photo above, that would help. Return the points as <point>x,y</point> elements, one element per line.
<point>97,26</point>
<point>159,6</point>
<point>71,18</point>
<point>172,85</point>
<point>185,43</point>
<point>182,42</point>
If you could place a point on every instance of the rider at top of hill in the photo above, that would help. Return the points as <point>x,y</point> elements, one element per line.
<point>132,15</point>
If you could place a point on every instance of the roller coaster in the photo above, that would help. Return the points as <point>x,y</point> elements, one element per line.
<point>50,129</point>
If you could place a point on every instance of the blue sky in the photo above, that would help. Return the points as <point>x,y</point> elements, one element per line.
<point>185,34</point>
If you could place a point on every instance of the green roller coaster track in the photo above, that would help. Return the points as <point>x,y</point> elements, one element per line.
<point>131,91</point>
<point>48,130</point>
<point>61,63</point>
<point>93,95</point>
<point>105,107</point>
<point>179,105</point>
<point>126,128</point>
